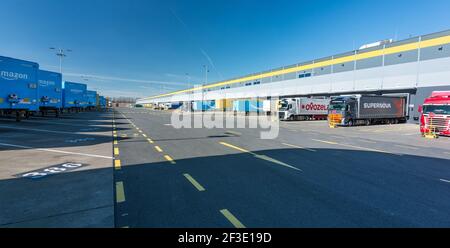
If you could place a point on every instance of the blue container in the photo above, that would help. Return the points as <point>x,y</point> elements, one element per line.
<point>247,106</point>
<point>18,84</point>
<point>91,98</point>
<point>203,105</point>
<point>74,95</point>
<point>102,102</point>
<point>49,89</point>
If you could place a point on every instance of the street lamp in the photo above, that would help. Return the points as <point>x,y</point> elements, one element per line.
<point>61,53</point>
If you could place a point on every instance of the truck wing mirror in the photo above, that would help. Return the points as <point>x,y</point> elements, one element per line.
<point>419,109</point>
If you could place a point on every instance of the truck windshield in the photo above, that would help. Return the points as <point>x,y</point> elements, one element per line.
<point>337,106</point>
<point>284,106</point>
<point>437,109</point>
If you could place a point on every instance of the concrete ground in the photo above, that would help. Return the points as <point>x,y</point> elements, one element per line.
<point>310,176</point>
<point>57,172</point>
<point>132,168</point>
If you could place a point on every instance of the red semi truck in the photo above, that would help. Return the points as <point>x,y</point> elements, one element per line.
<point>435,118</point>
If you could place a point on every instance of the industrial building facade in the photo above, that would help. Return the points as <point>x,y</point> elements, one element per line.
<point>414,67</point>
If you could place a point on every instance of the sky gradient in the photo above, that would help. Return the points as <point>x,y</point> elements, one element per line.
<point>143,47</point>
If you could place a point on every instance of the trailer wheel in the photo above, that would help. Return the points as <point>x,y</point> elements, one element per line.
<point>368,122</point>
<point>350,123</point>
<point>18,116</point>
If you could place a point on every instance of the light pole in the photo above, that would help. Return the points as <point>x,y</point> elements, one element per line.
<point>206,82</point>
<point>61,53</point>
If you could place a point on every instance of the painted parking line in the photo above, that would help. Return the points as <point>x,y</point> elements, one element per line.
<point>56,151</point>
<point>170,159</point>
<point>407,147</point>
<point>352,146</point>
<point>158,149</point>
<point>231,218</point>
<point>120,192</point>
<point>194,182</point>
<point>117,164</point>
<point>299,147</point>
<point>41,130</point>
<point>262,157</point>
<point>443,180</point>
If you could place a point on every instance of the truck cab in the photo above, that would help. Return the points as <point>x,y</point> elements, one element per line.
<point>287,109</point>
<point>435,114</point>
<point>343,110</point>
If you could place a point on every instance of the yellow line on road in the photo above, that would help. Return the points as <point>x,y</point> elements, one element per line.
<point>235,147</point>
<point>158,149</point>
<point>145,135</point>
<point>120,192</point>
<point>117,164</point>
<point>194,182</point>
<point>140,131</point>
<point>263,157</point>
<point>116,142</point>
<point>115,135</point>
<point>231,218</point>
<point>116,151</point>
<point>299,147</point>
<point>169,158</point>
<point>114,132</point>
<point>150,141</point>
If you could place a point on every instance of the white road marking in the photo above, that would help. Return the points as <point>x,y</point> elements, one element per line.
<point>443,180</point>
<point>299,147</point>
<point>56,151</point>
<point>40,130</point>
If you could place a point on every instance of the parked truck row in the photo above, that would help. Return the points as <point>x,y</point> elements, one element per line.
<point>26,90</point>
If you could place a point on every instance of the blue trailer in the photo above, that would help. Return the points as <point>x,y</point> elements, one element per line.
<point>203,105</point>
<point>102,102</point>
<point>247,106</point>
<point>49,92</point>
<point>91,99</point>
<point>18,87</point>
<point>74,95</point>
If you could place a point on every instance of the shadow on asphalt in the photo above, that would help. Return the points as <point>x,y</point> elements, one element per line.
<point>335,188</point>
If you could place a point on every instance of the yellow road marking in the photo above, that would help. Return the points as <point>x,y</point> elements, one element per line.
<point>158,149</point>
<point>117,164</point>
<point>150,141</point>
<point>169,158</point>
<point>115,135</point>
<point>299,147</point>
<point>235,147</point>
<point>116,151</point>
<point>145,135</point>
<point>140,131</point>
<point>231,218</point>
<point>263,157</point>
<point>114,132</point>
<point>120,192</point>
<point>326,142</point>
<point>194,182</point>
<point>116,142</point>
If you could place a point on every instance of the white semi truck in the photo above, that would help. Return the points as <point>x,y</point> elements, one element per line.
<point>303,108</point>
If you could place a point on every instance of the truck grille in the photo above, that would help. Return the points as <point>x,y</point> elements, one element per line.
<point>439,123</point>
<point>281,115</point>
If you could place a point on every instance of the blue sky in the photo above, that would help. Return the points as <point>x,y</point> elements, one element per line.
<point>145,47</point>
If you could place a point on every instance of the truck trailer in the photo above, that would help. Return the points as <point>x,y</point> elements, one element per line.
<point>435,117</point>
<point>303,108</point>
<point>91,98</point>
<point>74,95</point>
<point>18,87</point>
<point>367,110</point>
<point>49,92</point>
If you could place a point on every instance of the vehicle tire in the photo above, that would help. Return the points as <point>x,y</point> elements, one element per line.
<point>350,123</point>
<point>367,122</point>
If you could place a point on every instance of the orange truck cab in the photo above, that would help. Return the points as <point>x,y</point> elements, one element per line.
<point>435,115</point>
